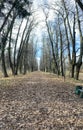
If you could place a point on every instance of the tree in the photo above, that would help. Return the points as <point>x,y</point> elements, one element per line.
<point>61,49</point>
<point>67,38</point>
<point>4,42</point>
<point>79,62</point>
<point>16,10</point>
<point>52,46</point>
<point>72,59</point>
<point>80,4</point>
<point>18,6</point>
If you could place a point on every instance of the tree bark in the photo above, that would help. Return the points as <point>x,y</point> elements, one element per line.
<point>78,66</point>
<point>61,50</point>
<point>79,62</point>
<point>3,62</point>
<point>9,52</point>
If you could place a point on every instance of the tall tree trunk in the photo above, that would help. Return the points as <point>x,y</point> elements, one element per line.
<point>61,56</point>
<point>53,53</point>
<point>9,52</point>
<point>61,50</point>
<point>72,36</point>
<point>78,66</point>
<point>68,43</point>
<point>23,42</point>
<point>20,49</point>
<point>25,56</point>
<point>9,49</point>
<point>26,49</point>
<point>4,42</point>
<point>16,45</point>
<point>73,51</point>
<point>79,62</point>
<point>57,49</point>
<point>3,62</point>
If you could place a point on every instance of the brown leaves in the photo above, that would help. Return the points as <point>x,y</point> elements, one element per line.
<point>40,101</point>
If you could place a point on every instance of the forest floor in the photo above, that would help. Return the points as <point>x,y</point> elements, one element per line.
<point>39,101</point>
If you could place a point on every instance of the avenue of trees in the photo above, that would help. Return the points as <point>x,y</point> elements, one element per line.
<point>16,54</point>
<point>63,45</point>
<point>62,39</point>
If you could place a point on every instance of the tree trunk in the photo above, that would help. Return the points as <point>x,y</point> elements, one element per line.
<point>3,62</point>
<point>26,51</point>
<point>9,52</point>
<point>78,66</point>
<point>79,62</point>
<point>53,53</point>
<point>16,45</point>
<point>20,49</point>
<point>61,51</point>
<point>4,40</point>
<point>72,61</point>
<point>72,71</point>
<point>20,68</point>
<point>9,49</point>
<point>6,18</point>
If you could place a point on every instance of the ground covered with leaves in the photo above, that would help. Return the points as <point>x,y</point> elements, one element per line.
<point>39,101</point>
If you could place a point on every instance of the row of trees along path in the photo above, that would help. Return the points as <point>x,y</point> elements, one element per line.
<point>38,100</point>
<point>62,39</point>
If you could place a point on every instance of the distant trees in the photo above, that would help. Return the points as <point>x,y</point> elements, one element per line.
<point>46,56</point>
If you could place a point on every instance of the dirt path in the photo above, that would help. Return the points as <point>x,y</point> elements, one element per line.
<point>39,101</point>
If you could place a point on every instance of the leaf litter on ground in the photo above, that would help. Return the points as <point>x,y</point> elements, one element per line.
<point>39,101</point>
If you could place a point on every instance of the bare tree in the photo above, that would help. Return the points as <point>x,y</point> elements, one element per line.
<point>80,3</point>
<point>79,62</point>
